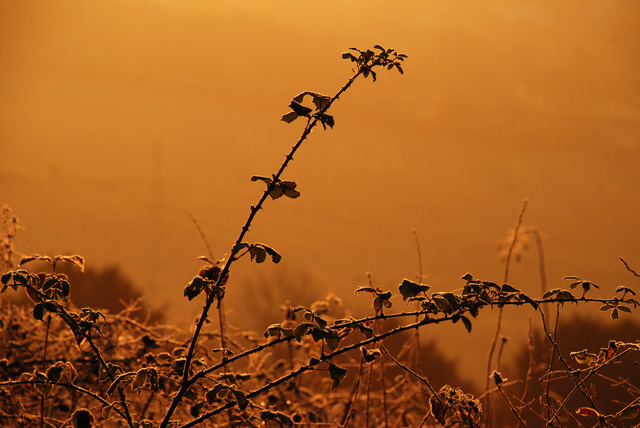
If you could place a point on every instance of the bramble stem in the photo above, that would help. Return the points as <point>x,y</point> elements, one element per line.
<point>311,123</point>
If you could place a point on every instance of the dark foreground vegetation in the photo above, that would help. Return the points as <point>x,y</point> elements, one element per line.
<point>67,365</point>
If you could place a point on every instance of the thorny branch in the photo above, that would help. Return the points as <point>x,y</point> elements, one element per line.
<point>364,67</point>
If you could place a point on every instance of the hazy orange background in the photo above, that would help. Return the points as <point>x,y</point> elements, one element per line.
<point>115,115</point>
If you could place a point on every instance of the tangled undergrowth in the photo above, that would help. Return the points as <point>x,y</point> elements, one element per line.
<point>67,366</point>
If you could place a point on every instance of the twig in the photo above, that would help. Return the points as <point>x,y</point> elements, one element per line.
<point>418,364</point>
<point>354,396</point>
<point>211,258</point>
<point>513,242</point>
<point>419,254</point>
<point>366,410</point>
<point>424,420</point>
<point>493,390</point>
<point>628,268</point>
<point>408,370</point>
<point>515,412</point>
<point>541,264</point>
<point>503,342</point>
<point>201,232</point>
<point>532,358</point>
<point>554,348</point>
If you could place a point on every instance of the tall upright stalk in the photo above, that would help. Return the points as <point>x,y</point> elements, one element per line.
<point>496,335</point>
<point>416,337</point>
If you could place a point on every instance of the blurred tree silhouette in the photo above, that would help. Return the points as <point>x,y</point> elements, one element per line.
<point>105,288</point>
<point>108,288</point>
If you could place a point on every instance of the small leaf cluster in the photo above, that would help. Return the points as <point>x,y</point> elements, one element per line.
<point>320,102</point>
<point>84,322</point>
<point>615,305</point>
<point>619,304</point>
<point>604,355</point>
<point>138,380</point>
<point>314,326</point>
<point>257,251</point>
<point>39,287</point>
<point>475,295</point>
<point>208,280</point>
<point>221,391</point>
<point>44,382</point>
<point>366,60</point>
<point>278,188</point>
<point>382,299</point>
<point>50,293</point>
<point>559,295</point>
<point>199,284</point>
<point>585,285</point>
<point>76,260</point>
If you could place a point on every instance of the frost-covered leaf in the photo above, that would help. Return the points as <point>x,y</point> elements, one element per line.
<point>621,289</point>
<point>587,411</point>
<point>630,412</point>
<point>333,340</point>
<point>506,288</point>
<point>369,355</point>
<point>497,377</point>
<point>289,117</point>
<point>367,289</point>
<point>410,289</point>
<point>299,109</point>
<point>195,287</point>
<point>337,374</point>
<point>241,399</point>
<point>583,357</point>
<point>467,277</point>
<point>466,322</point>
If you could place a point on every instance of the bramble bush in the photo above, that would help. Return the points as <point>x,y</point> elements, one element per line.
<point>61,365</point>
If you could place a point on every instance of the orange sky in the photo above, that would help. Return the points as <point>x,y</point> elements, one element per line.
<point>114,116</point>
